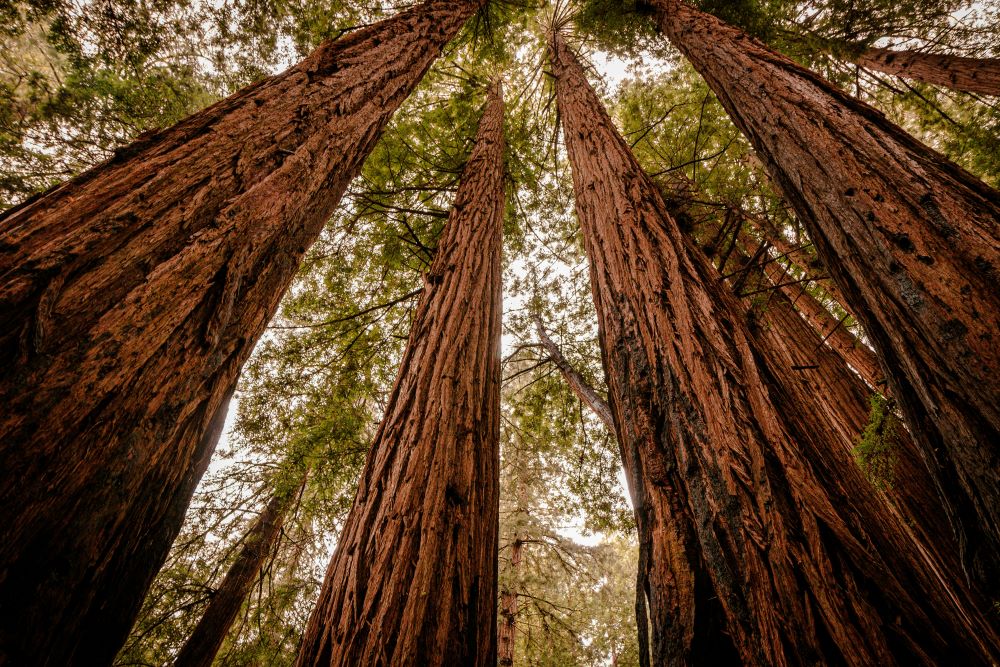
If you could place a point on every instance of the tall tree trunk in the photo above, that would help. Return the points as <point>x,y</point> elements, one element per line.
<point>836,394</point>
<point>768,546</point>
<point>133,294</point>
<point>971,75</point>
<point>911,240</point>
<point>798,325</point>
<point>507,632</point>
<point>831,330</point>
<point>414,576</point>
<point>202,646</point>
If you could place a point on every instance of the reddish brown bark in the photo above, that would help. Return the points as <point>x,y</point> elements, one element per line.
<point>834,390</point>
<point>768,547</point>
<point>414,578</point>
<point>911,240</point>
<point>133,294</point>
<point>258,544</point>
<point>831,330</point>
<point>971,75</point>
<point>507,632</point>
<point>837,395</point>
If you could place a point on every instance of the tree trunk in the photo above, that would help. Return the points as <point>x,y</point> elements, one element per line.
<point>831,330</point>
<point>507,633</point>
<point>587,394</point>
<point>768,547</point>
<point>797,255</point>
<point>258,544</point>
<point>413,579</point>
<point>836,394</point>
<point>910,239</point>
<point>971,75</point>
<point>133,294</point>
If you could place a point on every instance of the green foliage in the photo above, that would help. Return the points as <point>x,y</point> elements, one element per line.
<point>878,446</point>
<point>78,80</point>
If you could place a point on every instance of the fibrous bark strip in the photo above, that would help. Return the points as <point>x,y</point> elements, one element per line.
<point>133,294</point>
<point>413,580</point>
<point>912,241</point>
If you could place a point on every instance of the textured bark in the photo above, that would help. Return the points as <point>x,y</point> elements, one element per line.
<point>507,632</point>
<point>911,241</point>
<point>414,578</point>
<point>832,331</point>
<point>833,389</point>
<point>768,547</point>
<point>829,386</point>
<point>971,75</point>
<point>133,294</point>
<point>837,395</point>
<point>258,544</point>
<point>860,357</point>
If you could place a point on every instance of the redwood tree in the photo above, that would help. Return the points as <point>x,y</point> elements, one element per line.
<point>971,75</point>
<point>258,544</point>
<point>912,241</point>
<point>767,545</point>
<point>414,576</point>
<point>133,294</point>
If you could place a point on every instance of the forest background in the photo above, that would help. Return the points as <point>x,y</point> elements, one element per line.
<point>81,79</point>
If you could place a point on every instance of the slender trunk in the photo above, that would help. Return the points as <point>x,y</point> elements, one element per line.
<point>768,547</point>
<point>831,330</point>
<point>133,294</point>
<point>507,634</point>
<point>602,410</point>
<point>576,382</point>
<point>798,256</point>
<point>911,240</point>
<point>971,75</point>
<point>414,576</point>
<point>258,544</point>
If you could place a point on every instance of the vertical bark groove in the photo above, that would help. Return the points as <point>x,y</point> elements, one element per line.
<point>767,547</point>
<point>911,241</point>
<point>133,294</point>
<point>414,576</point>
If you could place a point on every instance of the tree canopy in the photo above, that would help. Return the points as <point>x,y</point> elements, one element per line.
<point>80,79</point>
